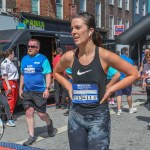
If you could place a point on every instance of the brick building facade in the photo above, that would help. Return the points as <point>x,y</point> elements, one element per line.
<point>120,15</point>
<point>47,8</point>
<point>107,13</point>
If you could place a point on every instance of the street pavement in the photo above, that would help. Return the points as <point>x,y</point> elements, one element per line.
<point>128,131</point>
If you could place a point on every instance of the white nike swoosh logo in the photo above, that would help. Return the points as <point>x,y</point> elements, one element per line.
<point>80,73</point>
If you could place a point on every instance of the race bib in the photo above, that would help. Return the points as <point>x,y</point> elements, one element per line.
<point>29,70</point>
<point>85,93</point>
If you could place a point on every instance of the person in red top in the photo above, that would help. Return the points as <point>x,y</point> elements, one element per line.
<point>60,91</point>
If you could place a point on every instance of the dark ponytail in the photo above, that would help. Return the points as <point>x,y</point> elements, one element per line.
<point>97,38</point>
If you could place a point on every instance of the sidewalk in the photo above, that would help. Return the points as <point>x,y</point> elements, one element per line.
<point>137,90</point>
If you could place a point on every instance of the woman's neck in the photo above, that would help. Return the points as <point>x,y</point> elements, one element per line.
<point>86,48</point>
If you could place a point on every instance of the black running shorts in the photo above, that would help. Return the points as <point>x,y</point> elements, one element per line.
<point>35,100</point>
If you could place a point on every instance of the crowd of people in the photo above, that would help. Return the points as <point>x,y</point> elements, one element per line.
<point>85,82</point>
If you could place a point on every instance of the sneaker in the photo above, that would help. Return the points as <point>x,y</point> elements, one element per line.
<point>30,141</point>
<point>66,113</point>
<point>112,101</point>
<point>50,129</point>
<point>1,122</point>
<point>10,123</point>
<point>132,110</point>
<point>119,112</point>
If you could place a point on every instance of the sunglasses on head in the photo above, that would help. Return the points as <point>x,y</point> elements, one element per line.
<point>32,46</point>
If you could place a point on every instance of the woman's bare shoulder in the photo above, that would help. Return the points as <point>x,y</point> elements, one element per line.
<point>68,56</point>
<point>104,53</point>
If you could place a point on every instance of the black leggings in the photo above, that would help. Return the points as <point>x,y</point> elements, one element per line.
<point>4,102</point>
<point>89,131</point>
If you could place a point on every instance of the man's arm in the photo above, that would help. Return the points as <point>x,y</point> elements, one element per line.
<point>47,72</point>
<point>48,80</point>
<point>21,85</point>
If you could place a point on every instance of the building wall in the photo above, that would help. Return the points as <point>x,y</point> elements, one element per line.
<point>47,7</point>
<point>116,12</point>
<point>67,9</point>
<point>10,4</point>
<point>90,7</point>
<point>135,16</point>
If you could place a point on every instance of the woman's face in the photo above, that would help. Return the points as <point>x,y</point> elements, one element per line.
<point>12,55</point>
<point>80,31</point>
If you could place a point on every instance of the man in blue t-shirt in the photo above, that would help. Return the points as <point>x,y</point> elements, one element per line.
<point>35,81</point>
<point>126,91</point>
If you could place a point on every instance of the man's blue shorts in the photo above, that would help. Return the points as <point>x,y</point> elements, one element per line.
<point>126,91</point>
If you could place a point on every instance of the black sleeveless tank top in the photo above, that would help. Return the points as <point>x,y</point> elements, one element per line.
<point>93,74</point>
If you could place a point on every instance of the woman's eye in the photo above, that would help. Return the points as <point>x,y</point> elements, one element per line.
<point>78,27</point>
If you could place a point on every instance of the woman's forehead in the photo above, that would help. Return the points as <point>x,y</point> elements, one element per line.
<point>78,20</point>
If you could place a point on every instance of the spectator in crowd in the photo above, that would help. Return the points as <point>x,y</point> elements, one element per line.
<point>146,76</point>
<point>144,61</point>
<point>35,67</point>
<point>89,117</point>
<point>10,75</point>
<point>4,102</point>
<point>125,91</point>
<point>60,92</point>
<point>112,77</point>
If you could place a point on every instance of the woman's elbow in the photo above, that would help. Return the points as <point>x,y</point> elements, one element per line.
<point>137,75</point>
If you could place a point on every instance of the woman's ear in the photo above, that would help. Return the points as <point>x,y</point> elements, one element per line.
<point>90,33</point>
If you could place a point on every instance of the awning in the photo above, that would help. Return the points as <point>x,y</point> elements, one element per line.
<point>14,36</point>
<point>135,32</point>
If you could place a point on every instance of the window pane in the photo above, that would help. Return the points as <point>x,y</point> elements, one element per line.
<point>0,3</point>
<point>98,14</point>
<point>34,4</point>
<point>111,1</point>
<point>82,6</point>
<point>59,9</point>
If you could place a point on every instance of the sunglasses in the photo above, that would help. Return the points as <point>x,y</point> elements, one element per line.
<point>32,46</point>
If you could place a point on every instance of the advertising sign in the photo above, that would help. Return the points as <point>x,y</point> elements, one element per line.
<point>118,29</point>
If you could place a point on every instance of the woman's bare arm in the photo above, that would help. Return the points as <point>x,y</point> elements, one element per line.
<point>110,59</point>
<point>65,62</point>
